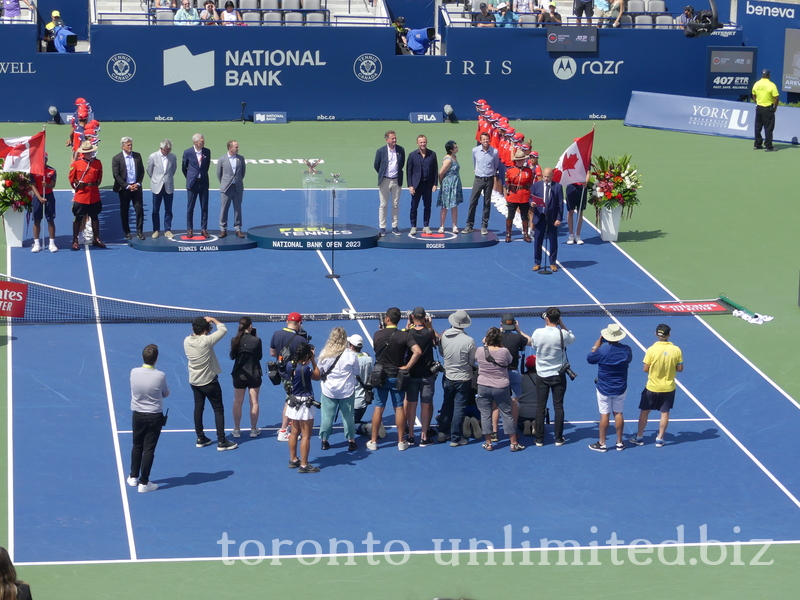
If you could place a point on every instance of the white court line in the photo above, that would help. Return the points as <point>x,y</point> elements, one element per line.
<point>346,299</point>
<point>111,412</point>
<point>10,425</point>
<point>719,424</point>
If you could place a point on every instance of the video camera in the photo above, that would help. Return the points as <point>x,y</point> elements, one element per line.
<point>707,21</point>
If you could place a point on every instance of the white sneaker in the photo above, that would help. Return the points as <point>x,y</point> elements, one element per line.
<point>455,229</point>
<point>402,446</point>
<point>52,247</point>
<point>571,239</point>
<point>255,432</point>
<point>283,435</point>
<point>155,234</point>
<point>237,433</point>
<point>413,231</point>
<point>382,432</point>
<point>484,231</point>
<point>372,445</point>
<point>441,230</point>
<point>578,240</point>
<point>427,230</point>
<point>133,481</point>
<point>147,487</point>
<point>169,234</point>
<point>36,247</point>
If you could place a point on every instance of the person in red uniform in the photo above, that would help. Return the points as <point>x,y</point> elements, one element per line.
<point>533,162</point>
<point>44,201</point>
<point>85,176</point>
<point>519,179</point>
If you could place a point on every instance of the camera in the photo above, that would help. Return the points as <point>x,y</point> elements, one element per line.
<point>565,368</point>
<point>436,367</point>
<point>381,320</point>
<point>252,331</point>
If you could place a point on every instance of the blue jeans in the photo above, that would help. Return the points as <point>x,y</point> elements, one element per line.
<point>382,394</point>
<point>167,199</point>
<point>451,416</point>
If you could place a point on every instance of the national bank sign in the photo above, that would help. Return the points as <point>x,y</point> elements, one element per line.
<point>250,68</point>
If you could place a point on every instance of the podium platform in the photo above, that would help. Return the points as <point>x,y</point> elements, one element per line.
<point>181,243</point>
<point>296,236</point>
<point>436,241</point>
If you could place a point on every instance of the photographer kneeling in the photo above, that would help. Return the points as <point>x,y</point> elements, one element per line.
<point>552,367</point>
<point>300,405</point>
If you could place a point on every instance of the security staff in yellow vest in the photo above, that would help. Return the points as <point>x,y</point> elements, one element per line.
<point>765,94</point>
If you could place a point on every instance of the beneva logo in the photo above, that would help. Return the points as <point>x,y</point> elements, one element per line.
<point>769,11</point>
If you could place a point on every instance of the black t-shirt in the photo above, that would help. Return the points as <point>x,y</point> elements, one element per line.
<point>424,339</point>
<point>516,345</point>
<point>484,18</point>
<point>392,356</point>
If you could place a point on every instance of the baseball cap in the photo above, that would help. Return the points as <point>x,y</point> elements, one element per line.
<point>418,313</point>
<point>689,7</point>
<point>502,5</point>
<point>356,340</point>
<point>663,330</point>
<point>534,154</point>
<point>765,72</point>
<point>55,13</point>
<point>552,4</point>
<point>509,322</point>
<point>400,20</point>
<point>530,362</point>
<point>483,5</point>
<point>296,317</point>
<point>480,102</point>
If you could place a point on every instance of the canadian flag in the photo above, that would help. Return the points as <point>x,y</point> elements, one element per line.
<point>576,161</point>
<point>24,154</point>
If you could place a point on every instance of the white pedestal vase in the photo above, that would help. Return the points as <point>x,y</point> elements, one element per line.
<point>609,223</point>
<point>15,227</point>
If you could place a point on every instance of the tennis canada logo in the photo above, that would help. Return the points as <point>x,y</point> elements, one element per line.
<point>368,67</point>
<point>196,243</point>
<point>121,67</point>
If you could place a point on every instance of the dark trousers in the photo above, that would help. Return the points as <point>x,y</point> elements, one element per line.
<point>451,415</point>
<point>191,195</point>
<point>483,185</point>
<point>125,199</point>
<point>540,231</point>
<point>423,191</point>
<point>765,119</point>
<point>167,199</point>
<point>544,385</point>
<point>213,392</point>
<point>146,431</point>
<point>358,414</point>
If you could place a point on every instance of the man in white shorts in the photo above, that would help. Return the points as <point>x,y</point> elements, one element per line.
<point>612,359</point>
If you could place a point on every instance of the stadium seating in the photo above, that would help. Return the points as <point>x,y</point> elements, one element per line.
<point>252,16</point>
<point>293,18</point>
<point>165,17</point>
<point>635,6</point>
<point>664,22</point>
<point>272,18</point>
<point>290,4</point>
<point>316,19</point>
<point>643,21</point>
<point>251,4</point>
<point>656,6</point>
<point>312,4</point>
<point>528,21</point>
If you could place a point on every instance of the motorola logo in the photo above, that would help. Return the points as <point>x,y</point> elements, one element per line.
<point>565,67</point>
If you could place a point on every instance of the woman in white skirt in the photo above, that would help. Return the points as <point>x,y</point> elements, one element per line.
<point>301,404</point>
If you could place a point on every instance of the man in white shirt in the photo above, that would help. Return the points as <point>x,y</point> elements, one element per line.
<point>550,346</point>
<point>389,162</point>
<point>161,168</point>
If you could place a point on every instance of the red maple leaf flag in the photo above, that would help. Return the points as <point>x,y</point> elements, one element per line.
<point>25,154</point>
<point>576,161</point>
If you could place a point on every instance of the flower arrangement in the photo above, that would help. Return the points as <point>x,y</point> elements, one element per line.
<point>15,191</point>
<point>614,183</point>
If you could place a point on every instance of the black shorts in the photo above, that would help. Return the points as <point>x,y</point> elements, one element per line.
<point>87,210</point>
<point>583,7</point>
<point>576,196</point>
<point>660,401</point>
<point>243,384</point>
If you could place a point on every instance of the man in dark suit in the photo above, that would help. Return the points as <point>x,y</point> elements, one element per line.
<point>423,174</point>
<point>230,173</point>
<point>389,162</point>
<point>547,218</point>
<point>195,164</point>
<point>128,171</point>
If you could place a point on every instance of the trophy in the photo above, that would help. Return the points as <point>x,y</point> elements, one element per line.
<point>335,177</point>
<point>311,164</point>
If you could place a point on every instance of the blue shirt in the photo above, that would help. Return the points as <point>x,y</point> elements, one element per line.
<point>485,163</point>
<point>612,360</point>
<point>301,381</point>
<point>509,19</point>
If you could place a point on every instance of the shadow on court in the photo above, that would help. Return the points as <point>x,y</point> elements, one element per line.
<point>640,236</point>
<point>192,479</point>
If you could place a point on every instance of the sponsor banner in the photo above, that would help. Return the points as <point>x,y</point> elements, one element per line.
<point>425,117</point>
<point>269,117</point>
<point>765,25</point>
<point>731,70</point>
<point>696,307</point>
<point>13,297</point>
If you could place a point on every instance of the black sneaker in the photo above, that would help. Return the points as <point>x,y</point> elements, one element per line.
<point>426,441</point>
<point>294,464</point>
<point>325,445</point>
<point>410,440</point>
<point>560,441</point>
<point>202,442</point>
<point>351,446</point>
<point>598,447</point>
<point>494,437</point>
<point>308,469</point>
<point>226,445</point>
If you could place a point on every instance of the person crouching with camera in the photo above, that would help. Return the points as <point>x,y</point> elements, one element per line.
<point>300,405</point>
<point>552,367</point>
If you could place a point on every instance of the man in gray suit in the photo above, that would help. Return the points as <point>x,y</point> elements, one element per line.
<point>230,172</point>
<point>161,167</point>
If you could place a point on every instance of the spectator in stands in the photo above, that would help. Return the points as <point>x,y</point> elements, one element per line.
<point>552,15</point>
<point>12,12</point>
<point>581,8</point>
<point>230,16</point>
<point>524,7</point>
<point>602,9</point>
<point>688,15</point>
<point>615,13</point>
<point>484,18</point>
<point>507,17</point>
<point>173,4</point>
<point>187,14</point>
<point>210,16</point>
<point>9,583</point>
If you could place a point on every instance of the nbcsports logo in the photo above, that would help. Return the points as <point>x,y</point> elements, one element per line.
<point>181,65</point>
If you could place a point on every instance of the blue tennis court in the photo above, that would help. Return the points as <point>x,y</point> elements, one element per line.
<point>728,464</point>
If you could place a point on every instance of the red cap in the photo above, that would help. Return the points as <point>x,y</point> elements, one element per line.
<point>80,101</point>
<point>510,130</point>
<point>535,154</point>
<point>487,108</point>
<point>525,147</point>
<point>519,136</point>
<point>296,317</point>
<point>530,361</point>
<point>480,102</point>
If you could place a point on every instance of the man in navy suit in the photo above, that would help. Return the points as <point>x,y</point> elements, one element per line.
<point>128,171</point>
<point>389,162</point>
<point>423,174</point>
<point>547,218</point>
<point>230,172</point>
<point>195,164</point>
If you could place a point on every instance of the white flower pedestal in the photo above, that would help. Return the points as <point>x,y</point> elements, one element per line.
<point>15,227</point>
<point>609,223</point>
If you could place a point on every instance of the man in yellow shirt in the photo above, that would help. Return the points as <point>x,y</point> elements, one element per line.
<point>765,94</point>
<point>661,362</point>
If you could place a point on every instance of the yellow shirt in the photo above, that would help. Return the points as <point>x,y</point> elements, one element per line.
<point>765,92</point>
<point>662,357</point>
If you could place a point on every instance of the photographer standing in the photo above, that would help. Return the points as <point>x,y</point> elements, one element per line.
<point>550,345</point>
<point>612,359</point>
<point>339,371</point>
<point>300,406</point>
<point>423,379</point>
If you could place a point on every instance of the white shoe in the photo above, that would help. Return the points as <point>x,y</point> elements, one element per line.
<point>255,432</point>
<point>455,229</point>
<point>52,247</point>
<point>441,229</point>
<point>372,445</point>
<point>155,234</point>
<point>484,231</point>
<point>283,435</point>
<point>147,487</point>
<point>36,247</point>
<point>578,240</point>
<point>402,446</point>
<point>571,239</point>
<point>133,481</point>
<point>413,231</point>
<point>426,230</point>
<point>169,234</point>
<point>237,433</point>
